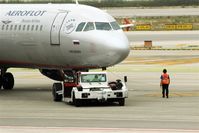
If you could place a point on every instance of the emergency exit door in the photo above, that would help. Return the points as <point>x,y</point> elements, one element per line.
<point>56,28</point>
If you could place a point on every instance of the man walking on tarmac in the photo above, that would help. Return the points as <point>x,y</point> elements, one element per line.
<point>164,83</point>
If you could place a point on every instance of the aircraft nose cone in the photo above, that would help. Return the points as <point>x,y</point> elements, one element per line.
<point>122,49</point>
<point>118,48</point>
<point>111,48</point>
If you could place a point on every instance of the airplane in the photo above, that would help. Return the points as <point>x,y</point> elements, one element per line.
<point>58,39</point>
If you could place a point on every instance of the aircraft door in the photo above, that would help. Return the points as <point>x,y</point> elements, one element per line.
<point>56,28</point>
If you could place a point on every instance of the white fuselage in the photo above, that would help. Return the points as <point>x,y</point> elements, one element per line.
<point>46,36</point>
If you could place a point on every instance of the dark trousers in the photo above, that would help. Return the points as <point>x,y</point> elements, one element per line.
<point>165,89</point>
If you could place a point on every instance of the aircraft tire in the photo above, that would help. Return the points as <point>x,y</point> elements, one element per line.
<point>56,96</point>
<point>8,81</point>
<point>1,82</point>
<point>122,102</point>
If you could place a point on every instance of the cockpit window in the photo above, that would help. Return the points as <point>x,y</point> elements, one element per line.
<point>103,26</point>
<point>80,26</point>
<point>89,26</point>
<point>115,26</point>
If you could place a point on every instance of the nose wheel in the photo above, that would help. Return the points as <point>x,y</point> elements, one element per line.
<point>7,81</point>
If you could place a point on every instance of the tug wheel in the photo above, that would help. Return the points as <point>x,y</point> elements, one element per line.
<point>56,96</point>
<point>122,102</point>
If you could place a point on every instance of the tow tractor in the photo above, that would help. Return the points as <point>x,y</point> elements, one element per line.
<point>83,87</point>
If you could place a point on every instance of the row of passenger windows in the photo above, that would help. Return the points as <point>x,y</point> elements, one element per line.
<point>83,26</point>
<point>22,27</point>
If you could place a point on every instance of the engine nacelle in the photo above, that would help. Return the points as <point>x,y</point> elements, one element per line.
<point>52,74</point>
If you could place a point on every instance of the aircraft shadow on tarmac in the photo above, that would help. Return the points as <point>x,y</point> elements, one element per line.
<point>96,104</point>
<point>45,94</point>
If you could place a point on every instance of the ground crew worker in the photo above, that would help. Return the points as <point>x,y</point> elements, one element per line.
<point>164,83</point>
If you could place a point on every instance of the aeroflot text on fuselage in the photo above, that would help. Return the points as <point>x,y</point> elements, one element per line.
<point>25,13</point>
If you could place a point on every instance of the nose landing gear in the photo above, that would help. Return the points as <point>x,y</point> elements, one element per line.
<point>6,80</point>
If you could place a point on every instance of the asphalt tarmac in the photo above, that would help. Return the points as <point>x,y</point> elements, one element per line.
<point>30,108</point>
<point>164,38</point>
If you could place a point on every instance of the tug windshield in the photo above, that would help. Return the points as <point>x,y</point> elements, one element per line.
<point>87,78</point>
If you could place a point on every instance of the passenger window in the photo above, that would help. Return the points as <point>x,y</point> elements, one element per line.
<point>103,26</point>
<point>41,27</point>
<point>24,27</point>
<point>2,27</point>
<point>32,28</point>
<point>28,27</point>
<point>89,26</point>
<point>15,28</point>
<point>115,26</point>
<point>19,27</point>
<point>7,26</point>
<point>37,26</point>
<point>11,26</point>
<point>80,26</point>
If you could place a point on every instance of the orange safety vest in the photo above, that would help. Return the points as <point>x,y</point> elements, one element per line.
<point>165,78</point>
